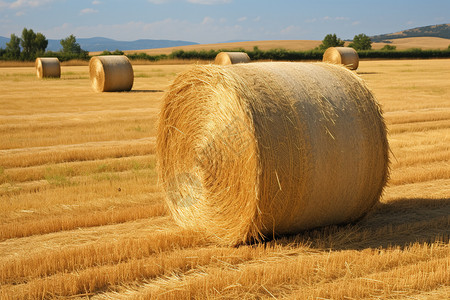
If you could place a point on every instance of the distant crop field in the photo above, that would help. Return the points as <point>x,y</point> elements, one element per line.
<point>298,45</point>
<point>82,214</point>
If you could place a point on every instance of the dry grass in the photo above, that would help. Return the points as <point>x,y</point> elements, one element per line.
<point>82,215</point>
<point>424,43</point>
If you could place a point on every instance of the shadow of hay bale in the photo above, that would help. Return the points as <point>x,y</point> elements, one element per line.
<point>367,73</point>
<point>146,91</point>
<point>398,223</point>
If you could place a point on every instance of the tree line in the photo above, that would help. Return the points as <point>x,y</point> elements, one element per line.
<point>361,43</point>
<point>31,45</point>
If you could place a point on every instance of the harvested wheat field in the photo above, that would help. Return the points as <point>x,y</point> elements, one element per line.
<point>296,45</point>
<point>82,212</point>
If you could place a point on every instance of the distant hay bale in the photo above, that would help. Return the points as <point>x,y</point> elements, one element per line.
<point>251,151</point>
<point>342,56</point>
<point>111,73</point>
<point>231,58</point>
<point>47,67</point>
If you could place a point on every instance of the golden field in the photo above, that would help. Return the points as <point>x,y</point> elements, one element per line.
<point>82,214</point>
<point>424,43</point>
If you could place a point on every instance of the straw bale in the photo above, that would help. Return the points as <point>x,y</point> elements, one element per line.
<point>253,151</point>
<point>47,67</point>
<point>342,56</point>
<point>111,73</point>
<point>230,58</point>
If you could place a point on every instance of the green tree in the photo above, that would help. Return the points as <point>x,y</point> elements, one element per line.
<point>41,42</point>
<point>28,43</point>
<point>70,45</point>
<point>13,47</point>
<point>71,49</point>
<point>389,48</point>
<point>116,52</point>
<point>361,42</point>
<point>331,40</point>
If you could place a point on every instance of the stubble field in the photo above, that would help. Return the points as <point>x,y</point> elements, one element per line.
<point>82,214</point>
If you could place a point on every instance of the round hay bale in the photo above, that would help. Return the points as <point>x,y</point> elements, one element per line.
<point>111,73</point>
<point>252,151</point>
<point>342,56</point>
<point>231,58</point>
<point>47,67</point>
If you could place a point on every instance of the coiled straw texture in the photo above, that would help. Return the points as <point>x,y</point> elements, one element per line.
<point>253,151</point>
<point>111,73</point>
<point>230,58</point>
<point>48,67</point>
<point>342,56</point>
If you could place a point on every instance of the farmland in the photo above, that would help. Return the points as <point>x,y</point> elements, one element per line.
<point>82,214</point>
<point>425,43</point>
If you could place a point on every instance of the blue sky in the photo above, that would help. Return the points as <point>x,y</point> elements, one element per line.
<point>209,21</point>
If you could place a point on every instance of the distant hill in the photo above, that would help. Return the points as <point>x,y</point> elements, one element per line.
<point>3,41</point>
<point>441,31</point>
<point>100,44</point>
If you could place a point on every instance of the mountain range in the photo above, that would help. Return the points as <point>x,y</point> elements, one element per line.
<point>441,31</point>
<point>101,43</point>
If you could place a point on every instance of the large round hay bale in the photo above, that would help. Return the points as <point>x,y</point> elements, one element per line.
<point>342,56</point>
<point>47,67</point>
<point>231,58</point>
<point>250,151</point>
<point>111,73</point>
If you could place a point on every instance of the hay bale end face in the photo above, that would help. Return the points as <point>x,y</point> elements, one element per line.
<point>342,56</point>
<point>111,73</point>
<point>231,58</point>
<point>250,151</point>
<point>48,67</point>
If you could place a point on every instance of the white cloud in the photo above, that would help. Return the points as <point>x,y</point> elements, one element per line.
<point>209,2</point>
<point>28,3</point>
<point>290,29</point>
<point>20,13</point>
<point>328,18</point>
<point>207,20</point>
<point>88,11</point>
<point>242,19</point>
<point>96,2</point>
<point>257,19</point>
<point>20,4</point>
<point>158,1</point>
<point>356,23</point>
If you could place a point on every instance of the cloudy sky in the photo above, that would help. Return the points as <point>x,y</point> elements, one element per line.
<point>209,21</point>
